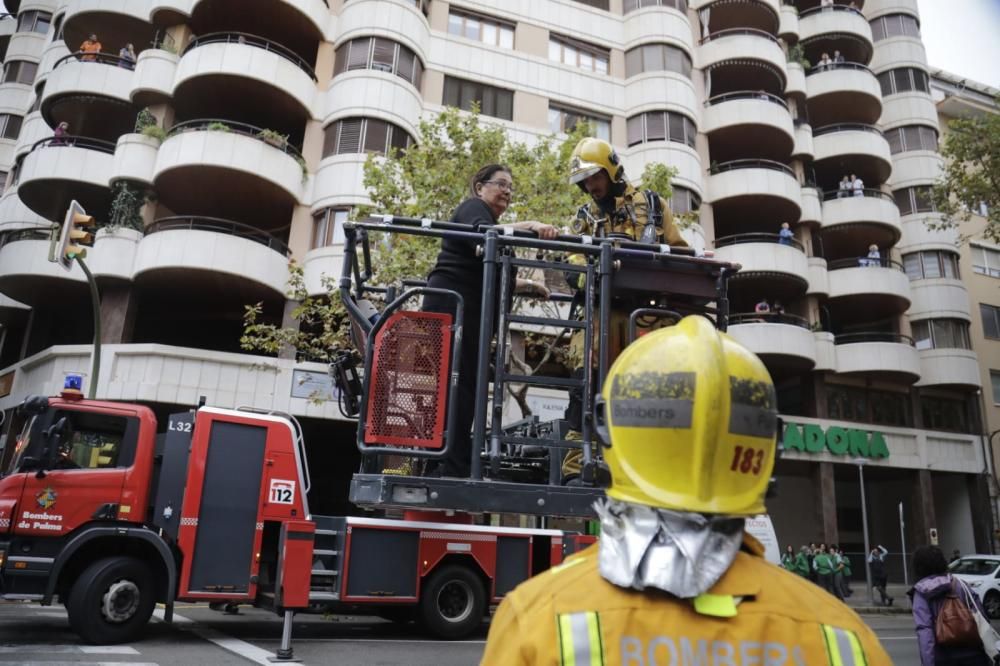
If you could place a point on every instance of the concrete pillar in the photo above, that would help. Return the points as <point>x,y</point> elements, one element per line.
<point>924,517</point>
<point>117,314</point>
<point>826,504</point>
<point>981,511</point>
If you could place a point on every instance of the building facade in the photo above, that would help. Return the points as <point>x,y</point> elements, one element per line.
<point>764,107</point>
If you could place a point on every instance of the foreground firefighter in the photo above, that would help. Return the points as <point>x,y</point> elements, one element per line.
<point>690,420</point>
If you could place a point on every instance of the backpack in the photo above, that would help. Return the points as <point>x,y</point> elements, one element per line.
<point>955,626</point>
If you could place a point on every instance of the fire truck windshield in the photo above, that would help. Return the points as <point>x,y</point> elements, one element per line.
<point>23,449</point>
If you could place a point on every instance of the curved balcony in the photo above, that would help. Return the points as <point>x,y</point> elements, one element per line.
<point>765,259</point>
<point>852,148</point>
<point>27,275</point>
<point>16,95</point>
<point>935,298</point>
<point>812,209</point>
<point>170,12</point>
<point>875,213</point>
<point>878,355</point>
<point>916,167</point>
<point>840,27</point>
<point>901,51</point>
<point>803,148</point>
<point>240,257</point>
<point>127,20</point>
<point>12,6</point>
<point>113,257</point>
<point>58,170</point>
<point>221,168</point>
<point>671,153</point>
<point>338,180</point>
<point>917,236</point>
<point>33,129</point>
<point>658,91</point>
<point>876,8</point>
<point>135,158</point>
<point>398,21</point>
<point>910,108</point>
<point>788,24</point>
<point>784,342</point>
<point>322,262</point>
<point>291,17</point>
<point>153,80</point>
<point>796,86</point>
<point>730,50</point>
<point>843,92</point>
<point>863,289</point>
<point>93,96</point>
<point>749,123</point>
<point>819,279</point>
<point>25,46</point>
<point>760,193</point>
<point>15,215</point>
<point>376,95</point>
<point>220,66</point>
<point>53,53</point>
<point>657,24</point>
<point>949,367</point>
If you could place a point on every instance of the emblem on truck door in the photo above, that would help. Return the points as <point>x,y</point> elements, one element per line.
<point>46,498</point>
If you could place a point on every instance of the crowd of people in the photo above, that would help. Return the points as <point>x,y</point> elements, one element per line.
<point>827,566</point>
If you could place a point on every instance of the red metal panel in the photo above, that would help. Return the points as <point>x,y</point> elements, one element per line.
<point>436,544</point>
<point>295,562</point>
<point>407,396</point>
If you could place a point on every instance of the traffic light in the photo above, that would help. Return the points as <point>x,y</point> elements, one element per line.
<point>77,234</point>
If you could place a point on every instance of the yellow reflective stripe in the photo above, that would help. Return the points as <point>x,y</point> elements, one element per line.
<point>843,648</point>
<point>566,565</point>
<point>580,639</point>
<point>715,605</point>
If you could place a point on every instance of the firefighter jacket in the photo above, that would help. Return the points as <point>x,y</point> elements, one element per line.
<point>756,613</point>
<point>629,218</point>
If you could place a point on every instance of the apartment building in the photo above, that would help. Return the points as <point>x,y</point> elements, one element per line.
<point>873,362</point>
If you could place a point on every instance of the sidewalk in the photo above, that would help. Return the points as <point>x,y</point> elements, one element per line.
<point>859,600</point>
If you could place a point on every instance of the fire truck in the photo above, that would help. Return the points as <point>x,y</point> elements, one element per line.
<point>109,512</point>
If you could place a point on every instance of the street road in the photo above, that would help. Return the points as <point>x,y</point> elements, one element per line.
<point>32,635</point>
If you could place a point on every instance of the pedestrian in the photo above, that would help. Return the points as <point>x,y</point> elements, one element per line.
<point>876,564</point>
<point>839,571</point>
<point>934,585</point>
<point>90,48</point>
<point>785,236</point>
<point>802,565</point>
<point>674,577</point>
<point>788,559</point>
<point>811,554</point>
<point>955,555</point>
<point>846,571</point>
<point>858,186</point>
<point>824,565</point>
<point>126,57</point>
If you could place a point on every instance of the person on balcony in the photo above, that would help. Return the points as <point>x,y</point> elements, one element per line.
<point>874,258</point>
<point>844,189</point>
<point>90,48</point>
<point>126,57</point>
<point>858,186</point>
<point>62,129</point>
<point>763,307</point>
<point>785,236</point>
<point>824,62</point>
<point>459,269</point>
<point>838,57</point>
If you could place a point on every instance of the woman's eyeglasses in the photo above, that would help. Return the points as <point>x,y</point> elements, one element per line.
<point>503,185</point>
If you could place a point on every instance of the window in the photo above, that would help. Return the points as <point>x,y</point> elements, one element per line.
<point>483,29</point>
<point>96,441</point>
<point>657,58</point>
<point>861,405</point>
<point>990,314</point>
<point>564,120</point>
<point>995,381</point>
<point>684,201</point>
<point>19,71</point>
<point>891,409</point>
<point>914,200</point>
<point>34,22</point>
<point>578,54</point>
<point>596,4</point>
<point>632,5</point>
<point>495,102</point>
<point>57,32</point>
<point>363,135</point>
<point>3,181</point>
<point>660,125</point>
<point>846,403</point>
<point>945,414</point>
<point>895,25</point>
<point>328,226</point>
<point>902,80</point>
<point>941,334</point>
<point>10,126</point>
<point>985,261</point>
<point>912,137</point>
<point>381,54</point>
<point>931,264</point>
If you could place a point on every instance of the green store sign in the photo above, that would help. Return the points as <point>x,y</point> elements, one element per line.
<point>810,438</point>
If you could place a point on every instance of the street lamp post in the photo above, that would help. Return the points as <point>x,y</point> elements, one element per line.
<point>860,462</point>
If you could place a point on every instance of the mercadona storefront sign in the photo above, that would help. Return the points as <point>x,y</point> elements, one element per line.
<point>811,438</point>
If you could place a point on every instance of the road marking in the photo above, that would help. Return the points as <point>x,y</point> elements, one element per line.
<point>87,663</point>
<point>234,645</point>
<point>299,639</point>
<point>69,649</point>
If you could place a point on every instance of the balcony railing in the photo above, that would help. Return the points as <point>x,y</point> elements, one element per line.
<point>846,127</point>
<point>246,39</point>
<point>732,165</point>
<point>243,129</point>
<point>839,65</point>
<point>769,318</point>
<point>734,32</point>
<point>219,226</point>
<point>739,239</point>
<point>875,336</point>
<point>864,262</point>
<point>35,233</point>
<point>747,94</point>
<point>99,58</point>
<point>830,8</point>
<point>70,140</point>
<point>847,194</point>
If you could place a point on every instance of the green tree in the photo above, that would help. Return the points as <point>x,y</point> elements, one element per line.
<point>971,177</point>
<point>126,207</point>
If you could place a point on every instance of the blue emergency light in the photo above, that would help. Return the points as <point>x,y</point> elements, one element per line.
<point>73,383</point>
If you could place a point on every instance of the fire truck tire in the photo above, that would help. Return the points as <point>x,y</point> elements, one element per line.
<point>452,602</point>
<point>111,601</point>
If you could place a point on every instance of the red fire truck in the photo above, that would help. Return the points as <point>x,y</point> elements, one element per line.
<point>110,512</point>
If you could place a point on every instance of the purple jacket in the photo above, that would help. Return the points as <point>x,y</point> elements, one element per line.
<point>928,595</point>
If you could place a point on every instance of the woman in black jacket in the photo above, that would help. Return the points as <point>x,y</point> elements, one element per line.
<point>459,269</point>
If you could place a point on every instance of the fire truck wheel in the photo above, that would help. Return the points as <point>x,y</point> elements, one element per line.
<point>452,602</point>
<point>111,601</point>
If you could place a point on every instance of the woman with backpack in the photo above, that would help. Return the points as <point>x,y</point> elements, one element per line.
<point>943,632</point>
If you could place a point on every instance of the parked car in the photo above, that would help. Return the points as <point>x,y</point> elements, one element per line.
<point>982,573</point>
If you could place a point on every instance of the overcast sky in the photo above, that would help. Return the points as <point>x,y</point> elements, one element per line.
<point>963,37</point>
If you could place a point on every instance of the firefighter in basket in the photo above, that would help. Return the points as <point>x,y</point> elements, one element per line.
<point>690,422</point>
<point>617,210</point>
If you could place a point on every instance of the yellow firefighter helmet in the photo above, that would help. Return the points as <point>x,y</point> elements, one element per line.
<point>691,421</point>
<point>592,155</point>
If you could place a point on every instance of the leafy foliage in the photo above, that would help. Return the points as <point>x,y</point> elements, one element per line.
<point>143,120</point>
<point>126,207</point>
<point>971,178</point>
